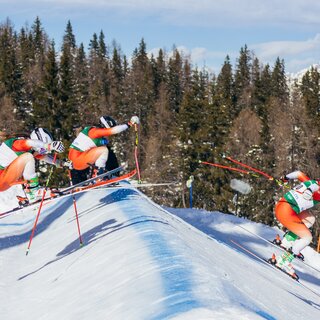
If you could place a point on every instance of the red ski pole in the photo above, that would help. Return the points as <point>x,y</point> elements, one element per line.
<point>227,168</point>
<point>250,168</point>
<point>279,182</point>
<point>75,210</point>
<point>40,207</point>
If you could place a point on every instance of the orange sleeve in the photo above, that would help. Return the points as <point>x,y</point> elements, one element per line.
<point>303,177</point>
<point>298,175</point>
<point>21,145</point>
<point>95,133</point>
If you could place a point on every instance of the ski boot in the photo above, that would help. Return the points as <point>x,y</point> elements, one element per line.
<point>284,263</point>
<point>277,240</point>
<point>299,256</point>
<point>22,201</point>
<point>273,260</point>
<point>288,240</point>
<point>100,170</point>
<point>33,190</point>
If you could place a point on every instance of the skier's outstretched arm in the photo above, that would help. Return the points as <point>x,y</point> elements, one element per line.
<point>298,175</point>
<point>95,133</point>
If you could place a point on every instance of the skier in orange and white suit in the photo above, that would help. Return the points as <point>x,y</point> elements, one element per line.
<point>292,212</point>
<point>17,160</point>
<point>91,145</point>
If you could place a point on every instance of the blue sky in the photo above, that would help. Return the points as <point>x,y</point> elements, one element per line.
<point>206,30</point>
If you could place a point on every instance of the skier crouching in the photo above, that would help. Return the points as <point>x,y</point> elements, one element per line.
<point>292,212</point>
<point>17,161</point>
<point>91,147</point>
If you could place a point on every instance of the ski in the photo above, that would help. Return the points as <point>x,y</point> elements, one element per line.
<point>266,261</point>
<point>135,184</point>
<point>88,181</point>
<point>105,183</point>
<point>276,246</point>
<point>296,277</point>
<point>301,256</point>
<point>82,188</point>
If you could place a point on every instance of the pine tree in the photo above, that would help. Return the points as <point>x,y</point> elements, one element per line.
<point>310,89</point>
<point>279,83</point>
<point>224,102</point>
<point>141,85</point>
<point>99,92</point>
<point>67,115</point>
<point>242,83</point>
<point>175,81</point>
<point>39,42</point>
<point>47,104</point>
<point>11,71</point>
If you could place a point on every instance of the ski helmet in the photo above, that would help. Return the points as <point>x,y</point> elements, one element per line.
<point>42,135</point>
<point>107,122</point>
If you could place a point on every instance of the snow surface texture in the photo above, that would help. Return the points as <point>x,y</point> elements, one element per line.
<point>140,262</point>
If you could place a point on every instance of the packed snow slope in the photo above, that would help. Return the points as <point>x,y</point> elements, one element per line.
<point>139,261</point>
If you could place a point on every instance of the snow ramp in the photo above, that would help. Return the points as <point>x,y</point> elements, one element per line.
<point>138,262</point>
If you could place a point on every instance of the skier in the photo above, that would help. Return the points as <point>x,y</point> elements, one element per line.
<point>292,212</point>
<point>17,161</point>
<point>90,148</point>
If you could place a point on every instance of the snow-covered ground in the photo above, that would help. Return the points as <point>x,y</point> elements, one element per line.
<point>142,261</point>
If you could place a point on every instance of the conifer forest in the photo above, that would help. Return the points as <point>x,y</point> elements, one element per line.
<point>249,111</point>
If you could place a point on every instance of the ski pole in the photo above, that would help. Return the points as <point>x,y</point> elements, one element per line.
<point>40,207</point>
<point>228,168</point>
<point>279,182</point>
<point>250,168</point>
<point>136,151</point>
<point>75,209</point>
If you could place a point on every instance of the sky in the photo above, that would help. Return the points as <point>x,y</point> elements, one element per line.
<point>206,30</point>
<point>141,261</point>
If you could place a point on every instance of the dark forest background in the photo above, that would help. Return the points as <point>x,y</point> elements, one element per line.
<point>249,111</point>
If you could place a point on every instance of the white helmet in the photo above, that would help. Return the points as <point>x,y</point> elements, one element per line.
<point>42,135</point>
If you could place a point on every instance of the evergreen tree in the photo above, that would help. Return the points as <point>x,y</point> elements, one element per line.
<point>175,81</point>
<point>47,104</point>
<point>310,89</point>
<point>82,85</point>
<point>99,74</point>
<point>102,48</point>
<point>279,83</point>
<point>11,71</point>
<point>39,42</point>
<point>224,102</point>
<point>141,85</point>
<point>67,114</point>
<point>242,83</point>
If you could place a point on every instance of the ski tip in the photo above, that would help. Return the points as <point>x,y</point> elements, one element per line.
<point>27,252</point>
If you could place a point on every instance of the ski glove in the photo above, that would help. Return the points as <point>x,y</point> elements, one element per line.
<point>56,146</point>
<point>134,120</point>
<point>67,164</point>
<point>307,194</point>
<point>283,179</point>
